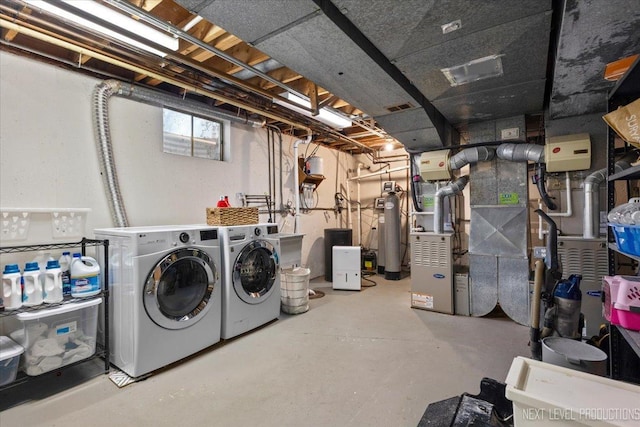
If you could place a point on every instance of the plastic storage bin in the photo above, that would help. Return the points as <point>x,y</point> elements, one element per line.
<point>627,238</point>
<point>550,395</point>
<point>621,304</point>
<point>56,337</point>
<point>9,358</point>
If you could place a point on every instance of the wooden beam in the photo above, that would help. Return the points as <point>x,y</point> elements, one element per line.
<point>149,5</point>
<point>313,99</point>
<point>222,43</point>
<point>9,35</point>
<point>204,31</point>
<point>327,101</point>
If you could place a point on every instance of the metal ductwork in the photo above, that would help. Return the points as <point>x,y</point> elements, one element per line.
<point>455,187</point>
<point>591,224</point>
<point>471,156</point>
<point>101,95</point>
<point>318,40</point>
<point>521,152</point>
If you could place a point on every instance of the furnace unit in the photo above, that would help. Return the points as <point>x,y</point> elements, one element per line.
<point>432,272</point>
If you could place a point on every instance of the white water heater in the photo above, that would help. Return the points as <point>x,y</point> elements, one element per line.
<point>568,153</point>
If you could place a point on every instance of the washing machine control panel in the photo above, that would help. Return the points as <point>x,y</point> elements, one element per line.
<point>184,237</point>
<point>257,231</point>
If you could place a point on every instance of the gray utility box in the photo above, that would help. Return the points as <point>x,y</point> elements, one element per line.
<point>462,294</point>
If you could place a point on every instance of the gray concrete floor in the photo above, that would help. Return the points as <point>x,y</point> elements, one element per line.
<point>354,359</point>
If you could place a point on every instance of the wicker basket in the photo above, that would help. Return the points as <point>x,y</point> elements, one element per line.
<point>232,216</point>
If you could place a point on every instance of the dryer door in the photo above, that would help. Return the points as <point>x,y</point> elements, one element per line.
<point>178,289</point>
<point>254,272</point>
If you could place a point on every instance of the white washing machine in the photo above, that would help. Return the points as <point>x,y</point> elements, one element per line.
<point>251,277</point>
<point>166,294</point>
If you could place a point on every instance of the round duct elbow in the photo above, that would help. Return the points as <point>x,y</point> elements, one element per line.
<point>471,156</point>
<point>455,187</point>
<point>521,152</point>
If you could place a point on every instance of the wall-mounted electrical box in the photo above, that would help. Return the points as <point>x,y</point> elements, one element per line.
<point>389,187</point>
<point>434,166</point>
<point>568,153</point>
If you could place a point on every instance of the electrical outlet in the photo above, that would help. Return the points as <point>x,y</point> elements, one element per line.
<point>510,133</point>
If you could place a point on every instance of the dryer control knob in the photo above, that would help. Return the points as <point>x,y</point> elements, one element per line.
<point>257,231</point>
<point>184,237</point>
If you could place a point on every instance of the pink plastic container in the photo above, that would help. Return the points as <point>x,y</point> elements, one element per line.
<point>621,305</point>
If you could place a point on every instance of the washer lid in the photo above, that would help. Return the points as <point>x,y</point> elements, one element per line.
<point>178,289</point>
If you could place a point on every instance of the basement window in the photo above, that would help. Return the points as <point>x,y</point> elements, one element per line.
<point>192,136</point>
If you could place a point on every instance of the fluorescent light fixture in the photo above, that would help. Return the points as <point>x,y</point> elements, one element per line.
<point>325,116</point>
<point>192,23</point>
<point>472,71</point>
<point>116,18</point>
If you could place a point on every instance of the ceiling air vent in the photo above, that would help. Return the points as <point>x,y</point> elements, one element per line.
<point>394,108</point>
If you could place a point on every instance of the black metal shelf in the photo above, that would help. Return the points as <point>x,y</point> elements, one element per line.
<point>632,173</point>
<point>102,350</point>
<point>615,248</point>
<point>624,345</point>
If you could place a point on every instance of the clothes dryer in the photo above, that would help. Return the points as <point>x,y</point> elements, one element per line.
<point>251,277</point>
<point>166,294</point>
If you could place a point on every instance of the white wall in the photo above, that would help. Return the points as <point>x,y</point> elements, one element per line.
<point>48,159</point>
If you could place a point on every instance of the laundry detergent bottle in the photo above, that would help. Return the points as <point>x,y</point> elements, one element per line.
<point>85,277</point>
<point>11,287</point>
<point>65,266</point>
<point>53,282</point>
<point>33,285</point>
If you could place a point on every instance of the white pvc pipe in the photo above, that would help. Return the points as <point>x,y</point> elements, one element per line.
<point>380,172</point>
<point>296,183</point>
<point>569,211</point>
<point>359,216</point>
<point>349,220</point>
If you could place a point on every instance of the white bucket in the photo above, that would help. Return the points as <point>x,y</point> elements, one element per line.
<point>294,290</point>
<point>574,354</point>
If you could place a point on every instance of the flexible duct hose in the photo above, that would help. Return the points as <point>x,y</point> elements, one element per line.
<point>591,224</point>
<point>438,209</point>
<point>471,155</point>
<point>101,95</point>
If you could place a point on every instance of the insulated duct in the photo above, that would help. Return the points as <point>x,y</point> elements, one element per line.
<point>438,209</point>
<point>591,225</point>
<point>533,153</point>
<point>101,95</point>
<point>521,152</point>
<point>471,155</point>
